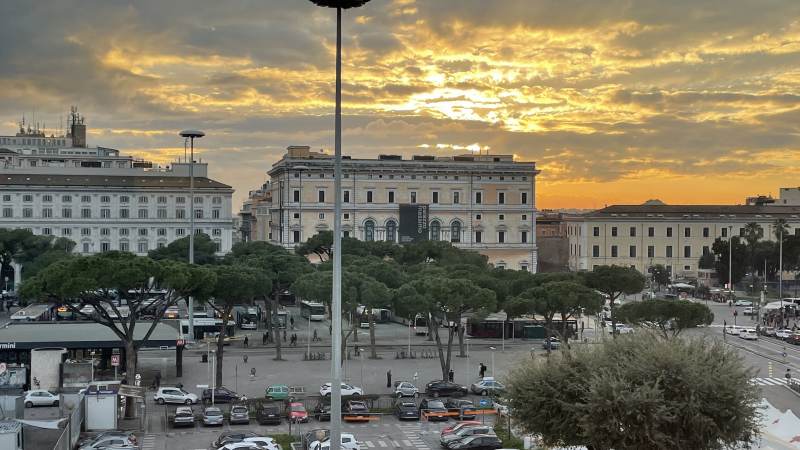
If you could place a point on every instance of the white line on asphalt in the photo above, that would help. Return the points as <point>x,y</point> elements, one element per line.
<point>407,443</point>
<point>382,444</point>
<point>369,444</point>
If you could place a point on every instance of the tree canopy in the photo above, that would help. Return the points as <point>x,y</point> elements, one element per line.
<point>669,317</point>
<point>178,250</point>
<point>638,393</point>
<point>34,252</point>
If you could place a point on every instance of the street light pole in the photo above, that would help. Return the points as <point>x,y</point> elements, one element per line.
<point>191,135</point>
<point>780,273</point>
<point>492,349</point>
<point>730,262</point>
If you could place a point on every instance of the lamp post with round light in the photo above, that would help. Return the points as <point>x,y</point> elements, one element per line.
<point>191,135</point>
<point>336,294</point>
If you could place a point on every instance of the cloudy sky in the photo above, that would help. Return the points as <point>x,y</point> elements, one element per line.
<point>618,101</point>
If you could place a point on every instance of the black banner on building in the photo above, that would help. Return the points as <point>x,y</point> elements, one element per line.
<point>413,223</point>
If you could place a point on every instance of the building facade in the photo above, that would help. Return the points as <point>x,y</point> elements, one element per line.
<point>104,201</point>
<point>675,236</point>
<point>480,202</point>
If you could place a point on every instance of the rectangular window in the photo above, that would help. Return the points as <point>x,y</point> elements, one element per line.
<point>8,212</point>
<point>47,198</point>
<point>105,199</point>
<point>216,232</point>
<point>501,236</point>
<point>143,214</point>
<point>524,237</point>
<point>632,251</point>
<point>687,251</point>
<point>6,198</point>
<point>47,213</point>
<point>105,231</point>
<point>124,213</point>
<point>501,217</point>
<point>478,237</point>
<point>142,247</point>
<point>85,247</point>
<point>479,197</point>
<point>105,213</point>
<point>501,198</point>
<point>595,251</point>
<point>456,198</point>
<point>346,197</point>
<point>142,199</point>
<point>86,213</point>
<point>477,217</point>
<point>669,231</point>
<point>668,251</point>
<point>27,198</point>
<point>66,232</point>
<point>216,200</point>
<point>369,196</point>
<point>633,231</point>
<point>613,231</point>
<point>321,196</point>
<point>86,231</point>
<point>124,231</point>
<point>614,251</point>
<point>198,213</point>
<point>142,231</point>
<point>105,246</point>
<point>687,232</point>
<point>651,251</point>
<point>705,232</point>
<point>296,196</point>
<point>435,197</point>
<point>651,232</point>
<point>66,198</point>
<point>161,231</point>
<point>47,231</point>
<point>413,197</point>
<point>524,217</point>
<point>596,231</point>
<point>86,198</point>
<point>124,247</point>
<point>161,213</point>
<point>215,213</point>
<point>524,198</point>
<point>741,231</point>
<point>296,236</point>
<point>180,213</point>
<point>124,199</point>
<point>180,232</point>
<point>162,199</point>
<point>27,212</point>
<point>724,232</point>
<point>706,250</point>
<point>180,200</point>
<point>391,196</point>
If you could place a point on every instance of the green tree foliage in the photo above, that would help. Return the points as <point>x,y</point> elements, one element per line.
<point>32,251</point>
<point>638,393</point>
<point>720,248</point>
<point>235,285</point>
<point>320,244</point>
<point>707,261</point>
<point>101,281</point>
<point>660,275</point>
<point>614,281</point>
<point>668,317</point>
<point>178,250</point>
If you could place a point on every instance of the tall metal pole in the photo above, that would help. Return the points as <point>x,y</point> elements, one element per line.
<point>730,262</point>
<point>191,234</point>
<point>780,273</point>
<point>336,303</point>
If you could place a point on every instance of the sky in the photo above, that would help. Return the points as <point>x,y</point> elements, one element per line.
<point>618,101</point>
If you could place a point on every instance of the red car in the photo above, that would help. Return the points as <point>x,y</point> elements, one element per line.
<point>459,425</point>
<point>296,412</point>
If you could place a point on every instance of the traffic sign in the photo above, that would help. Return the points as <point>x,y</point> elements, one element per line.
<point>115,360</point>
<point>138,379</point>
<point>484,403</point>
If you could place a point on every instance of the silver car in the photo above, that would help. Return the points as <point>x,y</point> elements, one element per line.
<point>239,414</point>
<point>184,417</point>
<point>213,416</point>
<point>405,389</point>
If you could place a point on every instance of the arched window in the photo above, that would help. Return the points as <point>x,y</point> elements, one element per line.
<point>455,231</point>
<point>436,230</point>
<point>369,230</point>
<point>391,231</point>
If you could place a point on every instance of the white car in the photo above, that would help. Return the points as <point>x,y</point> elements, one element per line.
<point>783,333</point>
<point>733,330</point>
<point>348,443</point>
<point>748,334</point>
<point>743,303</point>
<point>174,395</point>
<point>40,397</point>
<point>325,390</point>
<point>258,442</point>
<point>624,329</point>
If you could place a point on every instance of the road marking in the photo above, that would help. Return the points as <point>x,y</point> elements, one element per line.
<point>769,381</point>
<point>382,444</point>
<point>407,443</point>
<point>369,444</point>
<point>148,442</point>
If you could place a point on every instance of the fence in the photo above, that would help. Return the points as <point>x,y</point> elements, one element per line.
<point>69,437</point>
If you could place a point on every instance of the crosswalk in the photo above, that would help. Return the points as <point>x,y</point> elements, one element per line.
<point>148,442</point>
<point>769,381</point>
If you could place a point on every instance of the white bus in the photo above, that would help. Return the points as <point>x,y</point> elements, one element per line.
<point>312,310</point>
<point>420,325</point>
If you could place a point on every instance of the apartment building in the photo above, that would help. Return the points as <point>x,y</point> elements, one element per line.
<point>676,236</point>
<point>480,202</point>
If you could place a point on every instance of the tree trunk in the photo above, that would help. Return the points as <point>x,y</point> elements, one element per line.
<point>613,319</point>
<point>441,352</point>
<point>277,334</point>
<point>221,345</point>
<point>130,377</point>
<point>431,327</point>
<point>450,334</point>
<point>462,353</point>
<point>373,352</point>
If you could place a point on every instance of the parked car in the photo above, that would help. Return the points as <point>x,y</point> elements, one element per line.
<point>268,415</point>
<point>263,442</point>
<point>464,408</point>
<point>733,330</point>
<point>213,416</point>
<point>768,331</point>
<point>239,414</point>
<point>322,410</point>
<point>743,303</point>
<point>552,343</point>
<point>174,395</point>
<point>296,412</point>
<point>115,439</point>
<point>460,425</point>
<point>221,395</point>
<point>464,432</point>
<point>783,333</point>
<point>434,409</point>
<point>405,389</point>
<point>184,417</point>
<point>749,311</point>
<point>794,338</point>
<point>241,445</point>
<point>277,392</point>
<point>355,410</point>
<point>477,442</point>
<point>406,410</point>
<point>228,437</point>
<point>347,390</point>
<point>486,386</point>
<point>624,329</point>
<point>748,334</point>
<point>40,397</point>
<point>439,388</point>
<point>348,443</point>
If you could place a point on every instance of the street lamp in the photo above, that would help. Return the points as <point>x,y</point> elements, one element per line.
<point>492,349</point>
<point>191,135</point>
<point>730,262</point>
<point>336,294</point>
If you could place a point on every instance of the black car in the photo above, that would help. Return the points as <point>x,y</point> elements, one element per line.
<point>229,437</point>
<point>444,388</point>
<point>355,407</point>
<point>406,410</point>
<point>269,415</point>
<point>477,442</point>
<point>221,395</point>
<point>322,411</point>
<point>464,408</point>
<point>434,409</point>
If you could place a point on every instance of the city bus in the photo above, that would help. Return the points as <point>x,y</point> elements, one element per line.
<point>286,298</point>
<point>312,310</point>
<point>420,325</point>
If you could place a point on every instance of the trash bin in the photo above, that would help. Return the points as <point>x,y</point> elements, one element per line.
<point>204,357</point>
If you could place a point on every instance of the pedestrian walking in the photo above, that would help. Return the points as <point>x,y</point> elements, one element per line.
<point>291,321</point>
<point>315,338</point>
<point>244,358</point>
<point>451,375</point>
<point>264,338</point>
<point>389,378</point>
<point>482,370</point>
<point>246,342</point>
<point>252,373</point>
<point>284,335</point>
<point>158,380</point>
<point>330,330</point>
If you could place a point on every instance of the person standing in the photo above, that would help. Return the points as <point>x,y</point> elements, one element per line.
<point>291,321</point>
<point>246,342</point>
<point>482,371</point>
<point>315,338</point>
<point>264,338</point>
<point>389,378</point>
<point>451,375</point>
